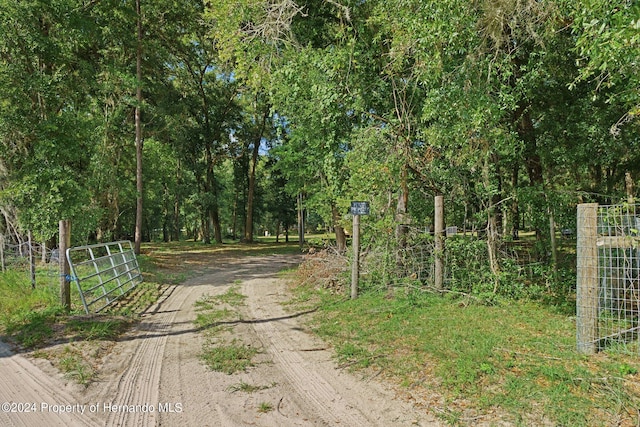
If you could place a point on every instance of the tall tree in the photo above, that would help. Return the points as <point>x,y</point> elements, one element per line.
<point>46,79</point>
<point>258,125</point>
<point>138,125</point>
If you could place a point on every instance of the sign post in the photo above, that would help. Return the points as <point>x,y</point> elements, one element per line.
<point>357,209</point>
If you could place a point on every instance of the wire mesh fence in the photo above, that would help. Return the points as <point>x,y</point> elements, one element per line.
<point>19,256</point>
<point>390,261</point>
<point>608,287</point>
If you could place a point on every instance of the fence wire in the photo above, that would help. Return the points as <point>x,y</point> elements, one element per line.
<point>608,288</point>
<point>392,261</point>
<point>618,276</point>
<point>16,256</point>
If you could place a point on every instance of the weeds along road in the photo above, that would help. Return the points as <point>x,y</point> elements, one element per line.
<point>155,376</point>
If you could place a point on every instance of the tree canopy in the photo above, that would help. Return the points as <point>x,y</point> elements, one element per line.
<point>515,110</point>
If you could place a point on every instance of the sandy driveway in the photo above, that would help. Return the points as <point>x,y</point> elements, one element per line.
<point>154,376</point>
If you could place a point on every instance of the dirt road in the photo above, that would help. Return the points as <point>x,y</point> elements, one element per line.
<point>155,377</point>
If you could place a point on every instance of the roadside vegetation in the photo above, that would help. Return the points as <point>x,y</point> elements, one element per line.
<point>33,321</point>
<point>462,355</point>
<point>470,354</point>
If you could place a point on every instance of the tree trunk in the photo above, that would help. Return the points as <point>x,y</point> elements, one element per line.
<point>341,236</point>
<point>492,248</point>
<point>515,211</point>
<point>215,221</point>
<point>139,142</point>
<point>552,236</point>
<point>206,227</point>
<point>248,229</point>
<point>526,131</point>
<point>211,210</point>
<point>175,228</point>
<point>32,260</point>
<point>439,231</point>
<point>532,160</point>
<point>234,230</point>
<point>300,221</point>
<point>401,218</point>
<point>492,232</point>
<point>248,225</point>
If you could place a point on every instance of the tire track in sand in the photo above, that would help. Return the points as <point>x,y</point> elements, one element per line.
<point>22,382</point>
<point>139,384</point>
<point>151,366</point>
<point>315,388</point>
<point>334,398</point>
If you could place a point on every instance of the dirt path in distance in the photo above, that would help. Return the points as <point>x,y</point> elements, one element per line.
<point>154,375</point>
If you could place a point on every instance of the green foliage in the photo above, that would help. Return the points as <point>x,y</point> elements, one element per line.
<point>609,43</point>
<point>33,329</point>
<point>468,265</point>
<point>514,110</point>
<point>248,388</point>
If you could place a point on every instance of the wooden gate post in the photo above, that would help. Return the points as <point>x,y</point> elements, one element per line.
<point>64,228</point>
<point>587,298</point>
<point>439,243</point>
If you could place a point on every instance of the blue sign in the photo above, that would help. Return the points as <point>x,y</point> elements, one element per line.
<point>360,208</point>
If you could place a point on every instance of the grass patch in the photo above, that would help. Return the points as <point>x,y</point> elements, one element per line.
<point>248,388</point>
<point>518,360</point>
<point>212,312</point>
<point>265,407</point>
<point>75,367</point>
<point>33,318</point>
<point>231,297</point>
<point>98,328</point>
<point>32,329</point>
<point>228,358</point>
<point>211,319</point>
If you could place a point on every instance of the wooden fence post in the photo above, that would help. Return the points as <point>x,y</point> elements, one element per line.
<point>2,252</point>
<point>439,243</point>
<point>32,260</point>
<point>300,221</point>
<point>355,266</point>
<point>587,298</point>
<point>65,242</point>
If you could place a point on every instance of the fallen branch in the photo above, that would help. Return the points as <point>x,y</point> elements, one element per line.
<point>278,407</point>
<point>314,349</point>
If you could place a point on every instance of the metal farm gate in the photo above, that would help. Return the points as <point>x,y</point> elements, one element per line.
<point>103,273</point>
<point>608,269</point>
